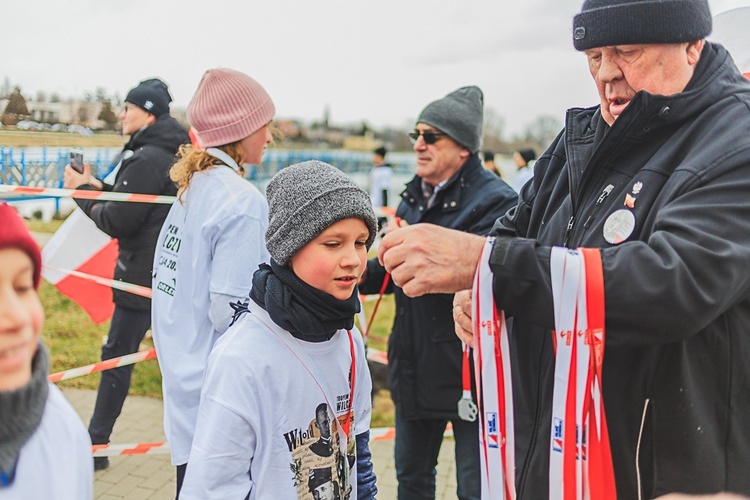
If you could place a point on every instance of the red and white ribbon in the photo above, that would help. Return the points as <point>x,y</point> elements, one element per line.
<point>107,364</point>
<point>495,393</point>
<point>113,450</point>
<point>580,457</point>
<point>85,194</point>
<point>143,291</point>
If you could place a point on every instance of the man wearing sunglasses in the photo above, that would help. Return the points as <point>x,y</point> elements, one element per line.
<point>450,189</point>
<point>656,178</point>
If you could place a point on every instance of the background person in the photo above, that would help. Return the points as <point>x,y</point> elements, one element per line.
<point>524,159</point>
<point>656,177</point>
<point>210,244</point>
<point>450,189</point>
<point>381,180</point>
<point>488,162</point>
<point>154,139</point>
<point>45,451</point>
<point>293,352</point>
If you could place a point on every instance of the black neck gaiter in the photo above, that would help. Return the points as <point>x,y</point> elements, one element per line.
<point>307,313</point>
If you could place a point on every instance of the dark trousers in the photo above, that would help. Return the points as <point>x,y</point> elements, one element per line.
<point>126,332</point>
<point>417,447</point>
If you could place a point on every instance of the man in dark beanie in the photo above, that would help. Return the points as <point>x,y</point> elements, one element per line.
<point>143,168</point>
<point>656,178</point>
<point>451,189</point>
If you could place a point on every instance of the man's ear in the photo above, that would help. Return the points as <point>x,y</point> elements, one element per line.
<point>151,119</point>
<point>694,50</point>
<point>465,153</point>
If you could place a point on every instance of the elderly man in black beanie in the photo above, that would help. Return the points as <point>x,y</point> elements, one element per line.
<point>451,189</point>
<point>143,168</point>
<point>656,178</point>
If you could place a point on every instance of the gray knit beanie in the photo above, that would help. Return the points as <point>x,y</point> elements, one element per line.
<point>460,115</point>
<point>306,198</point>
<point>602,23</point>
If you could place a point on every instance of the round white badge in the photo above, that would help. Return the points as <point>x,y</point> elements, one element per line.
<point>619,226</point>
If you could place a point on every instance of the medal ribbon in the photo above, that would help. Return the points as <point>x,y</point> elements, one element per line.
<point>494,390</point>
<point>580,457</point>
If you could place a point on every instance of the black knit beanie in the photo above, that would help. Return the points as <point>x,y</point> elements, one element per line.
<point>152,96</point>
<point>602,23</point>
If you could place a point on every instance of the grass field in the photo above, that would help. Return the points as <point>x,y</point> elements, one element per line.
<point>24,139</point>
<point>74,340</point>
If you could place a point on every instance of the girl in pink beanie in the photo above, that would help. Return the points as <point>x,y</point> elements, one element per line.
<point>211,242</point>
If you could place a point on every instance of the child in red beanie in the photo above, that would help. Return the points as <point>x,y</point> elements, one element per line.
<point>45,451</point>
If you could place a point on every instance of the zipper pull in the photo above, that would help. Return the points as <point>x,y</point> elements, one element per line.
<point>599,201</point>
<point>571,221</point>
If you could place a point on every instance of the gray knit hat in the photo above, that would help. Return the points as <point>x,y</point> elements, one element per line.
<point>304,199</point>
<point>460,115</point>
<point>623,22</point>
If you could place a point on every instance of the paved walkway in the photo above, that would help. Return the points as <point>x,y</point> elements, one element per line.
<point>140,477</point>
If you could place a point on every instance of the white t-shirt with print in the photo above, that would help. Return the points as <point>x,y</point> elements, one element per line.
<point>56,461</point>
<point>257,428</point>
<point>212,242</point>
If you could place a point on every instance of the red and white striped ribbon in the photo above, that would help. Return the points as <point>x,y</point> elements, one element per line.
<point>85,194</point>
<point>495,393</point>
<point>580,457</point>
<point>107,364</point>
<point>113,450</point>
<point>143,291</point>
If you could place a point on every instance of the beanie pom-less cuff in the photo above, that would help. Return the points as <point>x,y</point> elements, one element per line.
<point>236,131</point>
<point>640,22</point>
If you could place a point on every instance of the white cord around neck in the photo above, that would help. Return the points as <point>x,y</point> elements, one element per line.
<point>228,160</point>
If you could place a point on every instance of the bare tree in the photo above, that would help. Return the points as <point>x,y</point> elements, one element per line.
<point>542,130</point>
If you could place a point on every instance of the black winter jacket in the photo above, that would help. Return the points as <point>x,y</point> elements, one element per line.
<point>136,225</point>
<point>676,366</point>
<point>424,354</point>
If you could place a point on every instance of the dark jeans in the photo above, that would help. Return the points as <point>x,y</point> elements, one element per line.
<point>417,447</point>
<point>126,332</point>
<point>181,470</point>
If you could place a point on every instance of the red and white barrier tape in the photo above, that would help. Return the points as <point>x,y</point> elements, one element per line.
<point>85,194</point>
<point>113,450</point>
<point>143,291</point>
<point>107,364</point>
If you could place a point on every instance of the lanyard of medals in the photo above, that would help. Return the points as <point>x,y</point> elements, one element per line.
<point>580,458</point>
<point>344,428</point>
<point>492,373</point>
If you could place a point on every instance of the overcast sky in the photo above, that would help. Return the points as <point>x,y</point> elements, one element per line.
<point>380,61</point>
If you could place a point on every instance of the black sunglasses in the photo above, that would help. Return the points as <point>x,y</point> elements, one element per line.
<point>428,136</point>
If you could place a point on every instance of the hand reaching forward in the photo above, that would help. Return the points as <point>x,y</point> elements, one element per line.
<point>425,258</point>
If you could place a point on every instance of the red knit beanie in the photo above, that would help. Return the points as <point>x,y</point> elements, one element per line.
<point>13,234</point>
<point>227,107</point>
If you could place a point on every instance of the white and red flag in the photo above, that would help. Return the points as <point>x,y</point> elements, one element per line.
<point>80,246</point>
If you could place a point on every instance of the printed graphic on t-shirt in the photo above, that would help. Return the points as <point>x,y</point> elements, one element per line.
<point>319,470</point>
<point>166,269</point>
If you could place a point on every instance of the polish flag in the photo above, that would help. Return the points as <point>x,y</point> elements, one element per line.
<point>732,30</point>
<point>80,246</point>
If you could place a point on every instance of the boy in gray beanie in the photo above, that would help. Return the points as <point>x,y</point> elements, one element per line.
<point>292,352</point>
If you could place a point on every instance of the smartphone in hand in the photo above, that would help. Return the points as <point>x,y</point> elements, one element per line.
<point>76,160</point>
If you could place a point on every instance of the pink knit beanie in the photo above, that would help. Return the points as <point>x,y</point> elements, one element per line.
<point>227,107</point>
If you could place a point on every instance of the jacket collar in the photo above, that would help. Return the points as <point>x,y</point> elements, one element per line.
<point>449,197</point>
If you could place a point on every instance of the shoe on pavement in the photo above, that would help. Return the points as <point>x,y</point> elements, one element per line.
<point>101,463</point>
